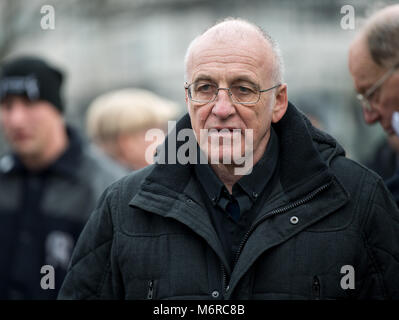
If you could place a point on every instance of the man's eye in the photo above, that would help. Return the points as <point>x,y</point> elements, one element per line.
<point>204,88</point>
<point>243,90</point>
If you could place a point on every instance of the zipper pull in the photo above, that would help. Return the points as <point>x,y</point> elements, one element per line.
<point>316,288</point>
<point>150,289</point>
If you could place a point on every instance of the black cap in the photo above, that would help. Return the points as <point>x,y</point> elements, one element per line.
<point>33,78</point>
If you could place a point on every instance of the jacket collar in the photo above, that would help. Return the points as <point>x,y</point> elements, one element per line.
<point>305,153</point>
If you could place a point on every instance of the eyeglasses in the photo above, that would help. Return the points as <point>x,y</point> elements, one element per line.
<point>365,99</point>
<point>205,92</point>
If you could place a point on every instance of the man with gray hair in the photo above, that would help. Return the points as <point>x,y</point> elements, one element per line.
<point>374,65</point>
<point>303,222</point>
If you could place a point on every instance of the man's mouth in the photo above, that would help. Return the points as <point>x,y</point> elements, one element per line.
<point>225,130</point>
<point>20,136</point>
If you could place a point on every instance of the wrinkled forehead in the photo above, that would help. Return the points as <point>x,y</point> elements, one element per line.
<point>227,45</point>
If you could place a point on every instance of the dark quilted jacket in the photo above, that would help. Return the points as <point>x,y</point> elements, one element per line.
<point>151,237</point>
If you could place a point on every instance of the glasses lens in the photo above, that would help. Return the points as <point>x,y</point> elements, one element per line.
<point>202,91</point>
<point>245,94</point>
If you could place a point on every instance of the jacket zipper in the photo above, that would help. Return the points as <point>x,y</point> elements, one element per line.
<point>224,278</point>
<point>316,288</point>
<point>150,289</point>
<point>274,212</point>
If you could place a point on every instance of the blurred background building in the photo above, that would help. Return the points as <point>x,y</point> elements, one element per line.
<point>106,45</point>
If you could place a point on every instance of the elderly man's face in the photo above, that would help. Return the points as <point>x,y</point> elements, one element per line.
<point>365,73</point>
<point>235,62</point>
<point>27,125</point>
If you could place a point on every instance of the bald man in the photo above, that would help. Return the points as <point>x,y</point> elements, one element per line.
<point>259,204</point>
<point>374,65</point>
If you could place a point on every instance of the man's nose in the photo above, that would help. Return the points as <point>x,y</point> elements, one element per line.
<point>223,106</point>
<point>17,114</point>
<point>371,116</point>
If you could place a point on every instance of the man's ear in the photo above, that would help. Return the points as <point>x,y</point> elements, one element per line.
<point>281,104</point>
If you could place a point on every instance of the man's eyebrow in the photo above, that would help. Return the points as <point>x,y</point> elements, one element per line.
<point>245,79</point>
<point>203,78</point>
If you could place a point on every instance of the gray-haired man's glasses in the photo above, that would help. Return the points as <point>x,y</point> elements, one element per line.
<point>205,92</point>
<point>365,99</point>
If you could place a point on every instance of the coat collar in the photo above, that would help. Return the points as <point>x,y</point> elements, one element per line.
<point>170,190</point>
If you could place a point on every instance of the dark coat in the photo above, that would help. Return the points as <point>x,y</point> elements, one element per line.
<point>151,237</point>
<point>43,213</point>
